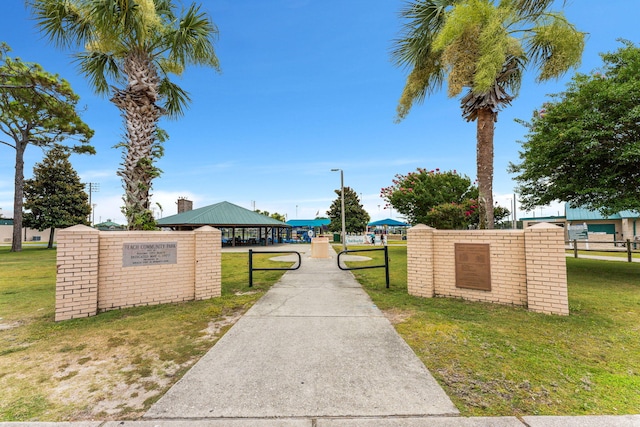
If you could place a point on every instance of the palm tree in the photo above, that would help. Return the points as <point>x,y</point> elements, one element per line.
<point>127,49</point>
<point>483,47</point>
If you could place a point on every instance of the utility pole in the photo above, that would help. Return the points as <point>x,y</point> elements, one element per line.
<point>93,187</point>
<point>344,234</point>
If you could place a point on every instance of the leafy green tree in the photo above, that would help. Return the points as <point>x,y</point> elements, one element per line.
<point>583,147</point>
<point>356,218</point>
<point>274,215</point>
<point>55,197</point>
<point>443,200</point>
<point>481,47</point>
<point>36,108</point>
<point>129,49</point>
<point>278,216</point>
<point>414,195</point>
<point>451,216</point>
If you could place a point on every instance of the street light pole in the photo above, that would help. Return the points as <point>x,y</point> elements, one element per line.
<point>344,234</point>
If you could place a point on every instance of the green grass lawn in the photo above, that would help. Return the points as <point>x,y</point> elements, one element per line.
<point>111,366</point>
<point>503,360</point>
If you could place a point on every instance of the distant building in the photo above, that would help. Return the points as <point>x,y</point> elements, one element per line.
<point>581,223</point>
<point>28,234</point>
<point>109,225</point>
<point>301,228</point>
<point>239,226</point>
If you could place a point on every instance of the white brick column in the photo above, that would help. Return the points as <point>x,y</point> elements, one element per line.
<point>208,262</point>
<point>77,272</point>
<point>420,281</point>
<point>546,269</point>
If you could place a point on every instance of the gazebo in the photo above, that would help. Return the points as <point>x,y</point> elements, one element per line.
<point>239,226</point>
<point>389,222</point>
<point>109,225</point>
<point>390,226</point>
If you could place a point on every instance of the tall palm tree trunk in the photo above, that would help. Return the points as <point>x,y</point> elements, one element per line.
<point>485,127</point>
<point>138,105</point>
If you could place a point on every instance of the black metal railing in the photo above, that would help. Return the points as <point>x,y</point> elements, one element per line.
<point>385,265</point>
<point>252,268</point>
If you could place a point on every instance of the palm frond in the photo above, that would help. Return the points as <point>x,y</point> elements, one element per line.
<point>64,22</point>
<point>99,68</point>
<point>422,81</point>
<point>192,42</point>
<point>423,20</point>
<point>554,46</point>
<point>120,20</point>
<point>176,98</point>
<point>531,7</point>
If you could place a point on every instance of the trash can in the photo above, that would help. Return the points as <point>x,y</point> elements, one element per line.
<point>336,238</point>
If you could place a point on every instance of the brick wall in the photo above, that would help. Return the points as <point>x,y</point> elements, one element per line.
<point>77,272</point>
<point>527,266</point>
<point>508,274</point>
<point>93,276</point>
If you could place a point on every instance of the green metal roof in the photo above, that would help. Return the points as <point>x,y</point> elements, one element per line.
<point>629,214</point>
<point>223,214</point>
<point>582,214</point>
<point>108,223</point>
<point>579,214</point>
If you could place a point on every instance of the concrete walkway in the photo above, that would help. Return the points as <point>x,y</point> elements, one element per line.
<point>313,346</point>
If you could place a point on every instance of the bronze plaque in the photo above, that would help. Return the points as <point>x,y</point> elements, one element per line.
<point>473,266</point>
<point>136,254</point>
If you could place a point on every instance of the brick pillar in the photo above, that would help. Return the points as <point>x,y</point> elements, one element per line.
<point>77,272</point>
<point>208,262</point>
<point>546,269</point>
<point>420,249</point>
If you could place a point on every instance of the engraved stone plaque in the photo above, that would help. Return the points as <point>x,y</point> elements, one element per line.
<point>149,253</point>
<point>473,266</point>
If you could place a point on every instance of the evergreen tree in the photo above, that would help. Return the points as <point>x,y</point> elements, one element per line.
<point>55,197</point>
<point>356,218</point>
<point>36,108</point>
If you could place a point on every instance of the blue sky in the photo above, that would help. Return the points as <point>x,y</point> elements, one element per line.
<point>306,86</point>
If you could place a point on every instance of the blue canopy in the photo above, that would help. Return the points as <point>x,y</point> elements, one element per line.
<point>390,222</point>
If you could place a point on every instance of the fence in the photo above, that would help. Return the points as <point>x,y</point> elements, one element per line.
<point>614,246</point>
<point>107,270</point>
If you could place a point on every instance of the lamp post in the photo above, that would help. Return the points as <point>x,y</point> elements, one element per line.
<point>344,234</point>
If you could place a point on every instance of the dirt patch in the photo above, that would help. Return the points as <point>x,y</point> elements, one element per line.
<point>115,377</point>
<point>395,315</point>
<point>7,326</point>
<point>481,393</point>
<point>215,328</point>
